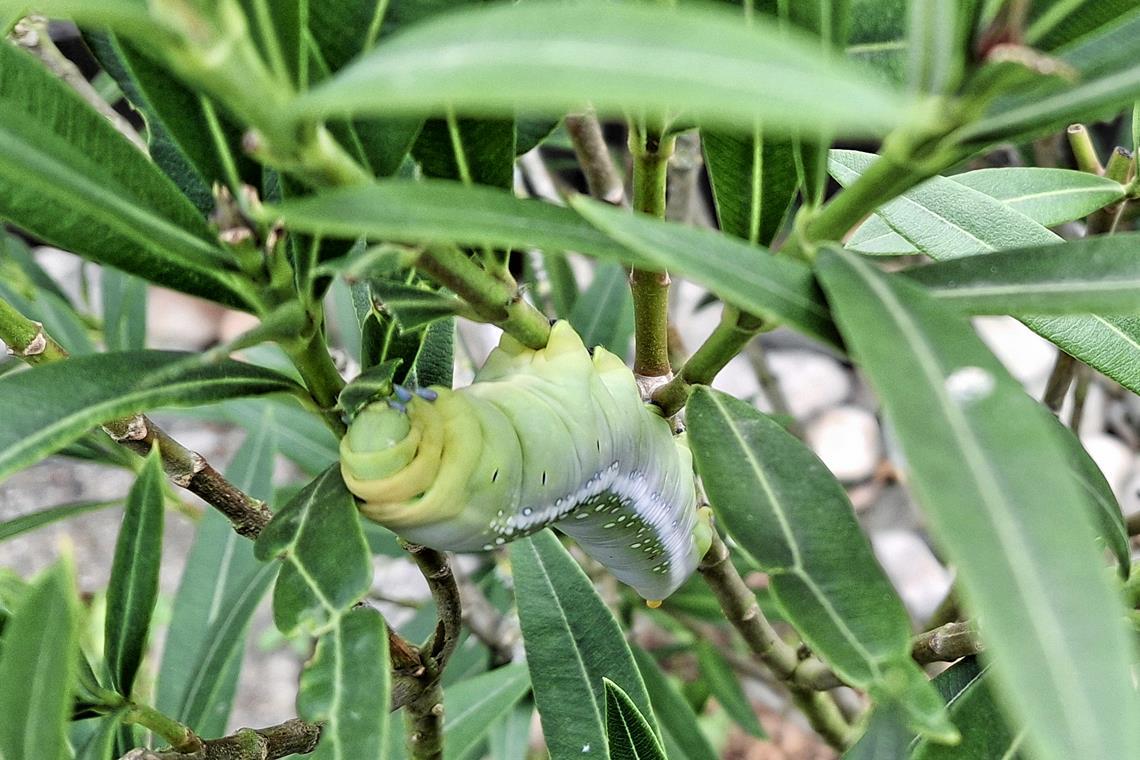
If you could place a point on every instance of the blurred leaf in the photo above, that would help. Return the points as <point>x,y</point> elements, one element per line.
<point>37,668</point>
<point>939,36</point>
<point>473,707</point>
<point>53,404</point>
<point>878,37</point>
<point>680,731</point>
<point>1004,512</point>
<point>603,313</point>
<point>743,275</point>
<point>278,28</point>
<point>788,513</point>
<point>1072,277</point>
<point>101,744</point>
<point>510,737</point>
<point>1053,23</point>
<point>723,684</point>
<point>572,643</point>
<point>346,687</point>
<point>563,284</point>
<point>221,587</point>
<point>947,220</point>
<point>33,520</point>
<point>532,132</point>
<point>326,563</point>
<point>69,178</point>
<point>124,311</point>
<point>630,735</point>
<point>753,180</point>
<point>563,56</point>
<point>133,588</point>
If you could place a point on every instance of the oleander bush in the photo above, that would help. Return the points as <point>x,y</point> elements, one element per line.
<point>347,172</point>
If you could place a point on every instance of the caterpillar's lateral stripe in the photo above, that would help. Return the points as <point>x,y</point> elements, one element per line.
<point>554,437</point>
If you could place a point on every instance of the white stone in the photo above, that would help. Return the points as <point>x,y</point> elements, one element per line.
<point>847,440</point>
<point>811,381</point>
<point>1112,456</point>
<point>920,579</point>
<point>1130,492</point>
<point>1093,415</point>
<point>178,321</point>
<point>1026,355</point>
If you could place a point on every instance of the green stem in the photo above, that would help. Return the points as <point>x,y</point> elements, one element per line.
<point>26,338</point>
<point>492,299</point>
<point>1083,149</point>
<point>732,334</point>
<point>424,721</point>
<point>650,288</point>
<point>180,737</point>
<point>312,360</point>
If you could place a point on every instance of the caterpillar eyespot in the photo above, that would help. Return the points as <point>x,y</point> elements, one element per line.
<point>552,437</point>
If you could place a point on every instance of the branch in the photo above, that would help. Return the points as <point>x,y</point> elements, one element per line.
<point>424,721</point>
<point>486,623</point>
<point>602,177</point>
<point>742,610</point>
<point>651,151</point>
<point>293,737</point>
<point>437,572</point>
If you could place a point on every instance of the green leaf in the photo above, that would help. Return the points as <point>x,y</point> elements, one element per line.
<point>101,744</point>
<point>878,37</point>
<point>439,211</point>
<point>51,405</point>
<point>1053,23</point>
<point>975,710</point>
<point>278,28</point>
<point>473,707</point>
<point>482,150</point>
<point>370,385</point>
<point>1004,512</point>
<point>413,307</point>
<point>133,588</point>
<point>69,178</point>
<point>753,180</point>
<point>510,737</point>
<point>793,518</point>
<point>346,686</point>
<point>1047,196</point>
<point>603,313</point>
<point>327,566</point>
<point>630,736</point>
<point>743,275</point>
<point>947,220</point>
<point>723,684</point>
<point>33,520</point>
<point>572,643</point>
<point>939,34</point>
<point>178,121</point>
<point>300,435</point>
<point>37,668</point>
<point>701,61</point>
<point>124,311</point>
<point>221,587</point>
<point>680,732</point>
<point>1101,273</point>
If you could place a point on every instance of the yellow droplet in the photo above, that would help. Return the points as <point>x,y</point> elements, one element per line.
<point>652,603</point>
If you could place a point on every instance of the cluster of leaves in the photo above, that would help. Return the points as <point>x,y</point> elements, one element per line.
<point>309,162</point>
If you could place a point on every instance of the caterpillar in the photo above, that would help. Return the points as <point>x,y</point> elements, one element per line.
<point>557,436</point>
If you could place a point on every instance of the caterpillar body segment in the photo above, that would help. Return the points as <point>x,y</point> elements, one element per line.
<point>550,437</point>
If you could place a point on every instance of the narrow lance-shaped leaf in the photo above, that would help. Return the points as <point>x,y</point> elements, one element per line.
<point>1006,513</point>
<point>51,405</point>
<point>629,734</point>
<point>572,643</point>
<point>37,668</point>
<point>753,180</point>
<point>474,706</point>
<point>547,58</point>
<point>680,732</point>
<point>34,520</point>
<point>946,220</point>
<point>133,588</point>
<point>221,586</point>
<point>742,275</point>
<point>68,177</point>
<point>346,686</point>
<point>794,519</point>
<point>603,313</point>
<point>1100,273</point>
<point>327,566</point>
<point>974,709</point>
<point>723,684</point>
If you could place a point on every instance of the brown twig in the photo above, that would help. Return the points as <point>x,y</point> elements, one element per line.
<point>486,623</point>
<point>441,581</point>
<point>593,154</point>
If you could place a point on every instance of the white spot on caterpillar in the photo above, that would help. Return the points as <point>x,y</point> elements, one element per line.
<point>969,384</point>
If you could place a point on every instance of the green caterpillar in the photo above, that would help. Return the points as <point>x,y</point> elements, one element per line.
<point>553,437</point>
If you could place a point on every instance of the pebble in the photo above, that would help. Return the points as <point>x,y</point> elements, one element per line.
<point>810,381</point>
<point>180,322</point>
<point>1026,355</point>
<point>847,439</point>
<point>918,576</point>
<point>1112,456</point>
